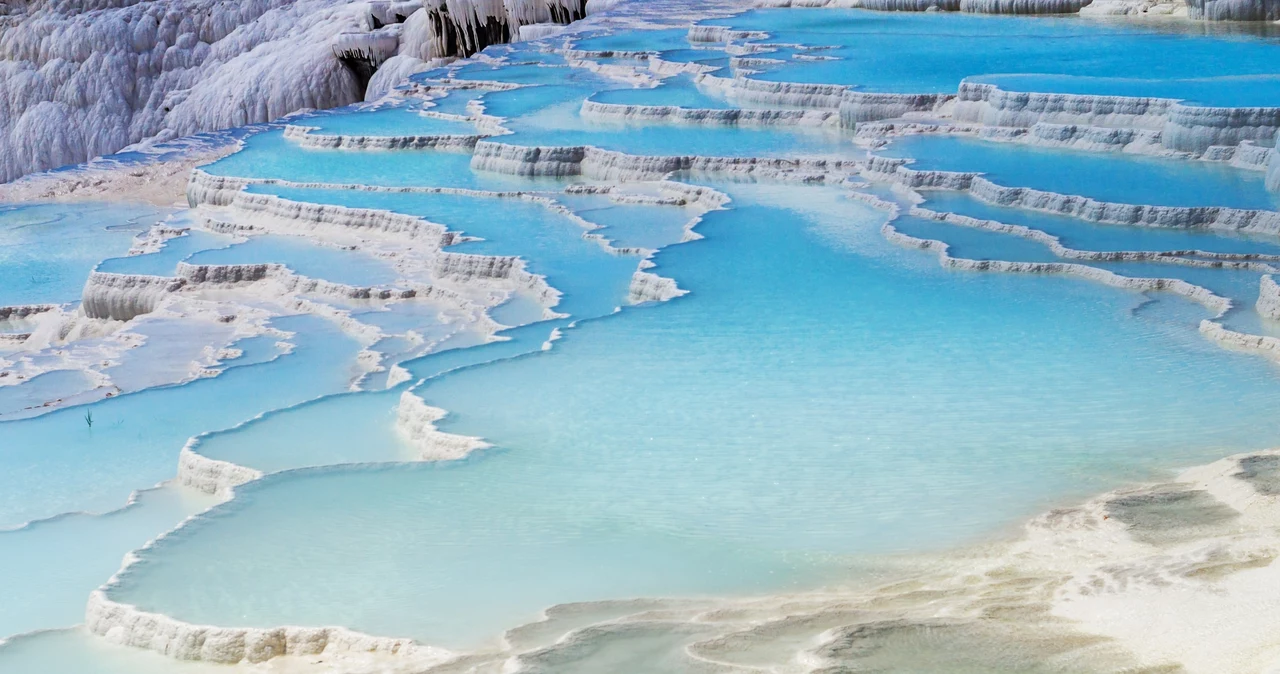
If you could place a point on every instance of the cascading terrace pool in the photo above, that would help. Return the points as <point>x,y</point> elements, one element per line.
<point>782,342</point>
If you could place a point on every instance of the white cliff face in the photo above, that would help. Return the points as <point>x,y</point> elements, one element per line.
<point>83,78</point>
<point>78,84</point>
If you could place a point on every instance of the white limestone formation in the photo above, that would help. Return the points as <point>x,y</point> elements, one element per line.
<point>911,5</point>
<point>613,112</point>
<point>1135,8</point>
<point>647,287</point>
<point>1260,345</point>
<point>211,476</point>
<point>857,107</point>
<point>304,137</point>
<point>416,424</point>
<point>1203,217</point>
<point>1234,10</point>
<point>1088,138</point>
<point>723,34</point>
<point>296,217</point>
<point>464,27</point>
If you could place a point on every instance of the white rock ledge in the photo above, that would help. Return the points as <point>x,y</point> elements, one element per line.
<point>416,424</point>
<point>1268,304</point>
<point>127,625</point>
<point>211,476</point>
<point>595,163</point>
<point>1203,296</point>
<point>1218,218</point>
<point>612,112</point>
<point>303,136</point>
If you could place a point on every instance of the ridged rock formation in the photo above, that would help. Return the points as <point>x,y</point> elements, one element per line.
<point>781,94</point>
<point>1216,303</point>
<point>647,287</point>
<point>990,105</point>
<point>1178,217</point>
<point>127,625</point>
<point>857,107</point>
<point>1234,10</point>
<point>76,83</point>
<point>416,423</point>
<point>912,5</point>
<point>594,163</point>
<point>717,116</point>
<point>211,476</point>
<point>1195,128</point>
<point>121,297</point>
<point>1269,298</point>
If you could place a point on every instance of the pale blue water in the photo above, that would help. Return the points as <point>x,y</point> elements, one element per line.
<point>653,40</point>
<point>930,52</point>
<point>47,251</point>
<point>1114,177</point>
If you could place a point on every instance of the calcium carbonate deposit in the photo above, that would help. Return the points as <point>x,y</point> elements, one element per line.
<point>480,336</point>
